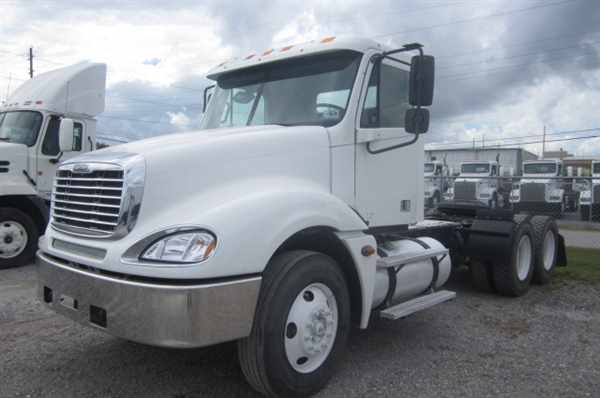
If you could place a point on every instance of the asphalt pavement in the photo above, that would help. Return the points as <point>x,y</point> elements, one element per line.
<point>544,344</point>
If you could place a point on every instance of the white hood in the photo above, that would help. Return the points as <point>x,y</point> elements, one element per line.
<point>16,157</point>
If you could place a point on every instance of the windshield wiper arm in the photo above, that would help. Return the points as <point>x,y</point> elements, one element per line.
<point>4,139</point>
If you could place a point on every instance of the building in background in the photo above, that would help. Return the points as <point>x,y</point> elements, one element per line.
<point>510,158</point>
<point>560,154</point>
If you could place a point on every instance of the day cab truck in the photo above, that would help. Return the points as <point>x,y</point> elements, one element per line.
<point>540,190</point>
<point>295,213</point>
<point>436,182</point>
<point>29,149</point>
<point>589,200</point>
<point>478,181</point>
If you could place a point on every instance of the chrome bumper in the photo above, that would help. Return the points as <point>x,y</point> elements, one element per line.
<point>168,315</point>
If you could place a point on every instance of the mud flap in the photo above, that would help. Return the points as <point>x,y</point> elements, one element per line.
<point>561,260</point>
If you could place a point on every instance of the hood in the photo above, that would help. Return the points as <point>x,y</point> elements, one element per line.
<point>193,165</point>
<point>13,157</point>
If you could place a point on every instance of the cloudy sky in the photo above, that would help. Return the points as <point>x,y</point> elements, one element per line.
<point>505,68</point>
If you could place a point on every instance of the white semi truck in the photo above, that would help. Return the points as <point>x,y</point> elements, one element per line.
<point>478,181</point>
<point>436,182</point>
<point>589,200</point>
<point>30,152</point>
<point>282,222</point>
<point>540,190</point>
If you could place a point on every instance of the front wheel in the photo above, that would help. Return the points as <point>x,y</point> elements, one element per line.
<point>18,238</point>
<point>300,328</point>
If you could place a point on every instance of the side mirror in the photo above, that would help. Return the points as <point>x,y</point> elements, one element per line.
<point>416,120</point>
<point>422,74</point>
<point>65,135</point>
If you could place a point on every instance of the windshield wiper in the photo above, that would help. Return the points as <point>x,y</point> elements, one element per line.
<point>4,139</point>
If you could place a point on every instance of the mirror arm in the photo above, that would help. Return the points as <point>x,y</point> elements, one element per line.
<point>205,95</point>
<point>57,159</point>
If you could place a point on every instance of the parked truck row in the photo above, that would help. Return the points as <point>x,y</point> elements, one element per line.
<point>294,214</point>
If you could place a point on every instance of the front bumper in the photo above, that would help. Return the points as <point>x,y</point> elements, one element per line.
<point>167,314</point>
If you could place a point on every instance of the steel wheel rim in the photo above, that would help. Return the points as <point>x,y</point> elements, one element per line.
<point>524,252</point>
<point>549,250</point>
<point>311,328</point>
<point>13,239</point>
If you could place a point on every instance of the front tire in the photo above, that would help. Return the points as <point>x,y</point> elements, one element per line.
<point>18,238</point>
<point>300,328</point>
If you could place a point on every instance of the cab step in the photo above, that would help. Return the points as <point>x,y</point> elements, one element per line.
<point>417,304</point>
<point>410,257</point>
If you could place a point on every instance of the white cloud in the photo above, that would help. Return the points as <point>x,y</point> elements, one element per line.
<point>179,119</point>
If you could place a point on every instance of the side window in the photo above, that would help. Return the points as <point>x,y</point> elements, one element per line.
<point>387,97</point>
<point>50,143</point>
<point>77,136</point>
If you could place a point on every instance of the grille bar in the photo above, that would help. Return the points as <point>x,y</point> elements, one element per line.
<point>89,187</point>
<point>97,213</point>
<point>95,204</point>
<point>87,220</point>
<point>89,179</point>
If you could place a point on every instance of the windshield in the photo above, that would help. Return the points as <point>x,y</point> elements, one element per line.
<point>312,90</point>
<point>596,168</point>
<point>540,168</point>
<point>20,127</point>
<point>428,167</point>
<point>475,168</point>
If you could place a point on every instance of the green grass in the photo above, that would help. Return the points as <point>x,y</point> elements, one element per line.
<point>583,265</point>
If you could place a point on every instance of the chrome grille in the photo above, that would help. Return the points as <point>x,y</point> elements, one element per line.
<point>465,190</point>
<point>596,194</point>
<point>88,200</point>
<point>533,192</point>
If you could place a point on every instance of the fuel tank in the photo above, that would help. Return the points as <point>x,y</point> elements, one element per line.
<point>393,285</point>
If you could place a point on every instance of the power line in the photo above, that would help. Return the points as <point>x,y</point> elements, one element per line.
<point>133,119</point>
<point>558,49</point>
<point>565,132</point>
<point>467,20</point>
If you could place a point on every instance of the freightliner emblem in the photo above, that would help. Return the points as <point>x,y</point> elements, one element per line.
<point>81,169</point>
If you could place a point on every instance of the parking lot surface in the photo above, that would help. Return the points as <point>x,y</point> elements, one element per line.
<point>544,344</point>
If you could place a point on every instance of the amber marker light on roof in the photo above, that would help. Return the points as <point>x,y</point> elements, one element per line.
<point>286,48</point>
<point>328,39</point>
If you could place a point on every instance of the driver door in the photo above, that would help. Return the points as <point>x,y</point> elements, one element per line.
<point>49,155</point>
<point>389,185</point>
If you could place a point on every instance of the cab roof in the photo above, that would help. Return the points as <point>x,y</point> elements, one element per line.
<point>76,89</point>
<point>326,44</point>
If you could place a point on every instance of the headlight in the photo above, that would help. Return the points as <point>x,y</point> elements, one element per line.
<point>182,247</point>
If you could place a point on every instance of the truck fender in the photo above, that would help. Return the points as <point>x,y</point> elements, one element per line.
<point>252,219</point>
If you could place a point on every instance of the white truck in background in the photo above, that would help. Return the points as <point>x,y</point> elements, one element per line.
<point>540,189</point>
<point>436,182</point>
<point>29,149</point>
<point>589,200</point>
<point>281,223</point>
<point>478,181</point>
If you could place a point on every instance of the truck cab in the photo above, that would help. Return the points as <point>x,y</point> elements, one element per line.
<point>30,128</point>
<point>293,214</point>
<point>477,181</point>
<point>540,190</point>
<point>436,182</point>
<point>589,200</point>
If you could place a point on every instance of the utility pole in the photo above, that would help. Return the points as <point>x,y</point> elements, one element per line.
<point>31,62</point>
<point>544,143</point>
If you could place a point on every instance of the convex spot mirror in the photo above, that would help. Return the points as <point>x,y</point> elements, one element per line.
<point>422,75</point>
<point>65,135</point>
<point>416,120</point>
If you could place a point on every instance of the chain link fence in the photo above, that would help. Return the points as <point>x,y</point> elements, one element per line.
<point>568,198</point>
